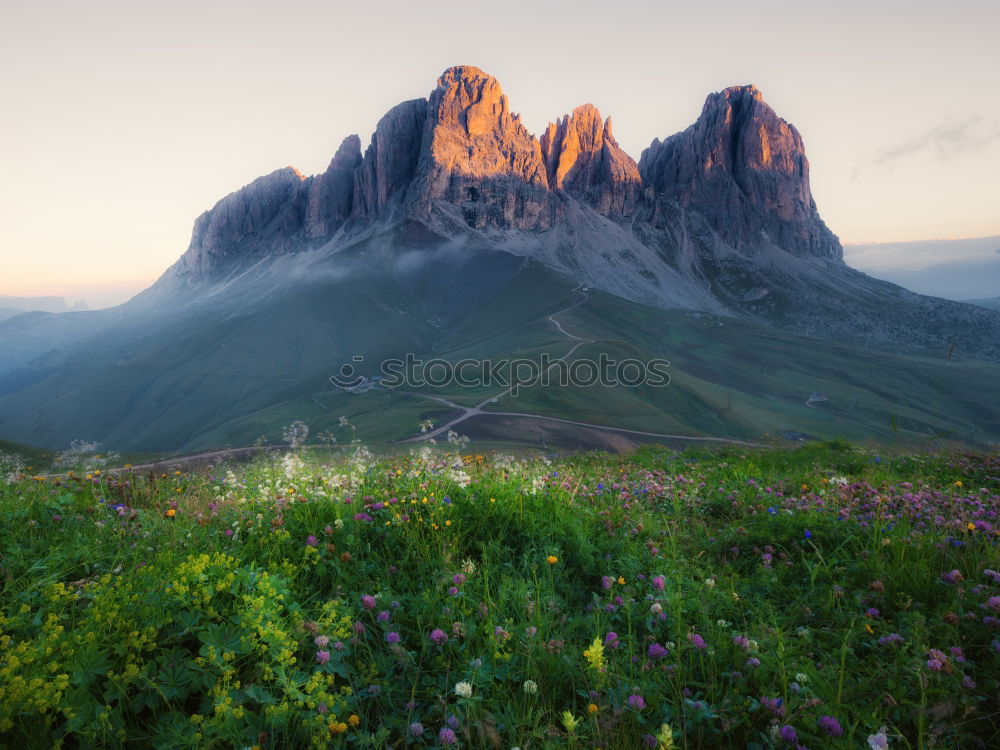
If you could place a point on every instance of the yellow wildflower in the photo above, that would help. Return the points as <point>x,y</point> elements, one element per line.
<point>551,559</point>
<point>665,739</point>
<point>569,721</point>
<point>595,655</point>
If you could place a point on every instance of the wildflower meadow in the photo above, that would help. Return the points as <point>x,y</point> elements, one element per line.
<point>825,597</point>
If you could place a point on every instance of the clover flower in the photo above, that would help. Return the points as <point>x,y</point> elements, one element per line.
<point>439,636</point>
<point>879,740</point>
<point>831,726</point>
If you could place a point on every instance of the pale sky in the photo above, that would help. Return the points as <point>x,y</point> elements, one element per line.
<point>123,120</point>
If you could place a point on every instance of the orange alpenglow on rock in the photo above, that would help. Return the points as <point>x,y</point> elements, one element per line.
<point>583,157</point>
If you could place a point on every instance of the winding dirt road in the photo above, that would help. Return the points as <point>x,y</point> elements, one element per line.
<point>478,409</point>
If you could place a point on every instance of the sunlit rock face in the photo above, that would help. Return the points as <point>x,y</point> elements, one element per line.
<point>745,170</point>
<point>480,164</point>
<point>582,157</point>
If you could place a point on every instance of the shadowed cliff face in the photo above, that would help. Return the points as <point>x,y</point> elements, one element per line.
<point>745,170</point>
<point>263,218</point>
<point>330,194</point>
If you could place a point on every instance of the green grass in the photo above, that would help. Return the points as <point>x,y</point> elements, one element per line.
<point>208,382</point>
<point>294,601</point>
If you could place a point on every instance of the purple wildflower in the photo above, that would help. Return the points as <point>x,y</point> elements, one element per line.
<point>636,701</point>
<point>368,601</point>
<point>656,651</point>
<point>439,636</point>
<point>392,637</point>
<point>831,726</point>
<point>787,733</point>
<point>416,729</point>
<point>448,736</point>
<point>322,657</point>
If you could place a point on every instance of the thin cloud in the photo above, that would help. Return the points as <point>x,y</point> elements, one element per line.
<point>947,139</point>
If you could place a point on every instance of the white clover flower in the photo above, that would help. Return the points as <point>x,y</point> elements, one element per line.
<point>530,687</point>
<point>723,623</point>
<point>463,689</point>
<point>710,582</point>
<point>879,740</point>
<point>656,608</point>
<point>339,523</point>
<point>802,678</point>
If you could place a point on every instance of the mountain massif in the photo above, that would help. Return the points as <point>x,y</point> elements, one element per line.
<point>451,203</point>
<point>719,217</point>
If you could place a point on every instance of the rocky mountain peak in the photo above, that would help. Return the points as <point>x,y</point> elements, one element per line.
<point>474,133</point>
<point>461,159</point>
<point>582,157</point>
<point>330,195</point>
<point>745,169</point>
<point>260,218</point>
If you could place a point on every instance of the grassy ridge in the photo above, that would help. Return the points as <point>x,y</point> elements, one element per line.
<point>750,598</point>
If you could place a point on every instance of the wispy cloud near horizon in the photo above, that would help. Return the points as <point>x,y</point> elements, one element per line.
<point>946,139</point>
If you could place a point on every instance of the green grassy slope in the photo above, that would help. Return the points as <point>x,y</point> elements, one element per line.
<point>221,381</point>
